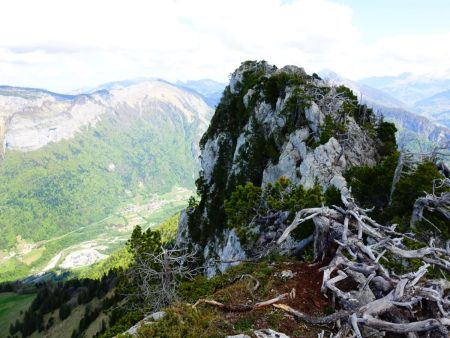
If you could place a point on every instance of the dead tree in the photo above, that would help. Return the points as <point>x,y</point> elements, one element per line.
<point>405,159</point>
<point>432,202</point>
<point>160,274</point>
<point>381,301</point>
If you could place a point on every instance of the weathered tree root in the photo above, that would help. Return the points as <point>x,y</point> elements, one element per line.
<point>361,246</point>
<point>330,319</point>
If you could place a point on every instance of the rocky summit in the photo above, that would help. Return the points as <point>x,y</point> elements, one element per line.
<point>274,124</point>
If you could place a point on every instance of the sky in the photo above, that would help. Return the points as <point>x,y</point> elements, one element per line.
<point>65,45</point>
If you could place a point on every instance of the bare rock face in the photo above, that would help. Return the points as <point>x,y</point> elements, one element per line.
<point>32,118</point>
<point>294,152</point>
<point>315,117</point>
<point>148,320</point>
<point>269,333</point>
<point>52,122</point>
<point>265,333</point>
<point>210,156</point>
<point>322,164</point>
<point>228,253</point>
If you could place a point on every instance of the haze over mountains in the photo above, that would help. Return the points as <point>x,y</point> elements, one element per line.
<point>427,96</point>
<point>385,98</point>
<point>409,87</point>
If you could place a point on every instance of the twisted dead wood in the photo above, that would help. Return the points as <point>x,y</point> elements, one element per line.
<point>415,304</point>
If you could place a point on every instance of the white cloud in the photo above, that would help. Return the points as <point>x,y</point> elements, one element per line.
<point>63,45</point>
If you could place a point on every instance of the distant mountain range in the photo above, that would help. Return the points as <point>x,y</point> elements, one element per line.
<point>407,87</point>
<point>415,125</point>
<point>210,90</point>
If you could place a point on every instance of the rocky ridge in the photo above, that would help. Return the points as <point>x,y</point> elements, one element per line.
<point>272,123</point>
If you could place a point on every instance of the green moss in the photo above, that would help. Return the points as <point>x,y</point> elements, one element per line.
<point>199,287</point>
<point>244,324</point>
<point>274,319</point>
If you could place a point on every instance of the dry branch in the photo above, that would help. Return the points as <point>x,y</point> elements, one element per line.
<point>245,307</point>
<point>362,244</point>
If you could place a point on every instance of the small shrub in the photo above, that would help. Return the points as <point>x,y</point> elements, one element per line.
<point>183,321</point>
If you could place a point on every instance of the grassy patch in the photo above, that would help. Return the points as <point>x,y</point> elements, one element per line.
<point>182,321</point>
<point>11,306</point>
<point>33,256</point>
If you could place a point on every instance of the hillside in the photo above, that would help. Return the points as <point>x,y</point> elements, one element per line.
<point>12,306</point>
<point>308,216</point>
<point>91,167</point>
<point>436,106</point>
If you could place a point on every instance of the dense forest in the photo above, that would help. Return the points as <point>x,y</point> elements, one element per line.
<point>73,183</point>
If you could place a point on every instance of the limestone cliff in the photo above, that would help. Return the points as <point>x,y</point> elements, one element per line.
<point>32,118</point>
<point>273,123</point>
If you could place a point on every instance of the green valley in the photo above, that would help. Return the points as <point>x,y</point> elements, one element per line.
<point>75,201</point>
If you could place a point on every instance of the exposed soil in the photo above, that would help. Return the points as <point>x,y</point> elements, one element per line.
<point>307,281</point>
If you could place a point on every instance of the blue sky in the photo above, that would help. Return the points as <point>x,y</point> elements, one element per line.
<point>383,18</point>
<point>63,45</point>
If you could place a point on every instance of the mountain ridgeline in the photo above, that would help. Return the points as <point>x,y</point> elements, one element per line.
<point>275,130</point>
<point>72,160</point>
<point>414,130</point>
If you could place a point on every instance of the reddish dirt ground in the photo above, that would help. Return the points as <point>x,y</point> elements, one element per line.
<point>307,281</point>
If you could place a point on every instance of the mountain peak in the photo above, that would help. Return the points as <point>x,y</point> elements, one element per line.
<point>273,124</point>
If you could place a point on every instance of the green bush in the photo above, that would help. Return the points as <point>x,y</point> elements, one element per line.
<point>371,186</point>
<point>330,129</point>
<point>248,201</point>
<point>386,134</point>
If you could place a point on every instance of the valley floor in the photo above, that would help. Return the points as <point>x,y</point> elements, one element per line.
<point>91,243</point>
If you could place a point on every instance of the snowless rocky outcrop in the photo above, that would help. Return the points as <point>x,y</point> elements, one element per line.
<point>273,123</point>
